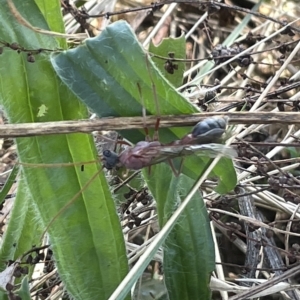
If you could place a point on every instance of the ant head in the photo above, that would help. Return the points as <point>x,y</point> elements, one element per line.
<point>110,159</point>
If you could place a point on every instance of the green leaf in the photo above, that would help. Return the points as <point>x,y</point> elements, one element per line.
<point>8,184</point>
<point>21,233</point>
<point>111,67</point>
<point>52,13</point>
<point>189,248</point>
<point>24,291</point>
<point>86,238</point>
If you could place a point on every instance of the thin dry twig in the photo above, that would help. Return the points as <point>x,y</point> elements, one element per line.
<point>87,126</point>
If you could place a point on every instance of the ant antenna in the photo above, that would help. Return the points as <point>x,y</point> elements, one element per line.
<point>155,135</point>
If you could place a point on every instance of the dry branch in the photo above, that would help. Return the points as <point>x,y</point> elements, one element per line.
<point>87,126</point>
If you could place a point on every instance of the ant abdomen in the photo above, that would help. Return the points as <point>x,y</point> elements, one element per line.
<point>209,130</point>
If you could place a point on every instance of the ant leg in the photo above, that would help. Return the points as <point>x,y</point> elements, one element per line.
<point>155,135</point>
<point>147,136</point>
<point>176,173</point>
<point>121,142</point>
<point>180,166</point>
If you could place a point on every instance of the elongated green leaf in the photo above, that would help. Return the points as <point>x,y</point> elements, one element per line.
<point>24,292</point>
<point>8,184</point>
<point>21,233</point>
<point>111,68</point>
<point>189,249</point>
<point>52,13</point>
<point>86,238</point>
<point>107,71</point>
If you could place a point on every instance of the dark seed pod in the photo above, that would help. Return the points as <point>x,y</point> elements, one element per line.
<point>29,259</point>
<point>281,59</point>
<point>297,200</point>
<point>288,197</point>
<point>170,67</point>
<point>129,194</point>
<point>130,225</point>
<point>138,221</point>
<point>269,233</point>
<point>35,260</point>
<point>292,258</point>
<point>145,200</point>
<point>264,243</point>
<point>171,54</point>
<point>245,61</point>
<point>30,58</point>
<point>25,270</point>
<point>10,262</point>
<point>295,227</point>
<point>273,181</point>
<point>210,96</point>
<point>280,106</point>
<point>14,46</point>
<point>287,30</point>
<point>290,181</point>
<point>282,179</point>
<point>17,272</point>
<point>9,287</point>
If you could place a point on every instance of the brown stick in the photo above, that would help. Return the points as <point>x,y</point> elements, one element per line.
<point>87,126</point>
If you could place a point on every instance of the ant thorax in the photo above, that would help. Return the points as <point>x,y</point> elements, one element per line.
<point>139,156</point>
